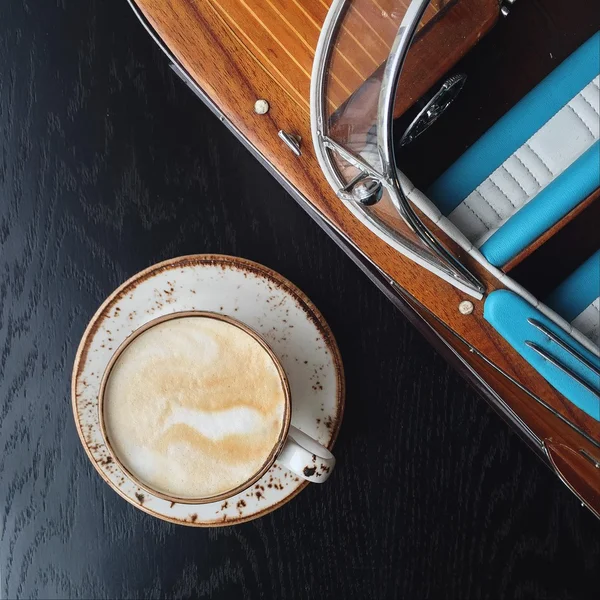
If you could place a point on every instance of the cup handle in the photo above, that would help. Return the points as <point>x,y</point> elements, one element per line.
<point>306,457</point>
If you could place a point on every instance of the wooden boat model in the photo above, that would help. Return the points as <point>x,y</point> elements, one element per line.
<point>454,154</point>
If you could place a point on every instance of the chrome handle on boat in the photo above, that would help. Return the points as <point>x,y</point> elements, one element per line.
<point>291,141</point>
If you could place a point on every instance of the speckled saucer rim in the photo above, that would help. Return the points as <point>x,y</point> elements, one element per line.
<point>225,261</point>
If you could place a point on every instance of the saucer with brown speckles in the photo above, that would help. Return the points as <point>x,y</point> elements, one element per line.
<point>258,297</point>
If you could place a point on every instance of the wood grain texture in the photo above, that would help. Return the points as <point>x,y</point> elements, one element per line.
<point>283,36</point>
<point>107,165</point>
<point>206,46</point>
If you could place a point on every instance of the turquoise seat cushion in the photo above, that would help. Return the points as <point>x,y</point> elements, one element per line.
<point>508,313</point>
<point>548,207</point>
<point>511,131</point>
<point>578,290</point>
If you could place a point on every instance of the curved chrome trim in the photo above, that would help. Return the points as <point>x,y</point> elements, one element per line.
<point>380,278</point>
<point>373,271</point>
<point>389,83</point>
<point>375,274</point>
<point>450,269</point>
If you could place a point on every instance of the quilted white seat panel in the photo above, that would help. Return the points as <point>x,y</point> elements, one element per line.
<point>553,148</point>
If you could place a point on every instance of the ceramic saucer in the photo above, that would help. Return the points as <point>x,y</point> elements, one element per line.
<point>252,294</point>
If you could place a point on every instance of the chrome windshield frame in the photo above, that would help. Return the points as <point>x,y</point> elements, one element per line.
<point>445,264</point>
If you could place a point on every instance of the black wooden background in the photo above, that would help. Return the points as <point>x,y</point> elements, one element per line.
<point>109,164</point>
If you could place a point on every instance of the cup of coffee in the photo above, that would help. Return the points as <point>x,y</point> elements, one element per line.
<point>196,407</point>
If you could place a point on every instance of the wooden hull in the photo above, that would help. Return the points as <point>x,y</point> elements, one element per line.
<point>230,68</point>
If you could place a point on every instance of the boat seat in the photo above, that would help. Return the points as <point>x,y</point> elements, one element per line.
<point>565,363</point>
<point>577,299</point>
<point>533,166</point>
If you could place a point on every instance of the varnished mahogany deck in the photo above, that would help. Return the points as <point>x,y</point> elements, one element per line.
<point>207,46</point>
<point>108,164</point>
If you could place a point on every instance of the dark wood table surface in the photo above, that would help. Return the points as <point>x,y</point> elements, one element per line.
<point>109,164</point>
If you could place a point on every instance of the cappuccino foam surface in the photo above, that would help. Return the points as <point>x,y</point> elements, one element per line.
<point>193,407</point>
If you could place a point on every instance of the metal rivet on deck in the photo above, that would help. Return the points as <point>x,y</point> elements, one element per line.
<point>465,307</point>
<point>261,107</point>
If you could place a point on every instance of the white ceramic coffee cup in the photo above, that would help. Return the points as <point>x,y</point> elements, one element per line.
<point>294,450</point>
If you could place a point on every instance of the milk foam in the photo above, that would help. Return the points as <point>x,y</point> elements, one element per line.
<point>193,407</point>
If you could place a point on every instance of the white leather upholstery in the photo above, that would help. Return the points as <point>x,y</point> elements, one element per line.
<point>552,149</point>
<point>588,322</point>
